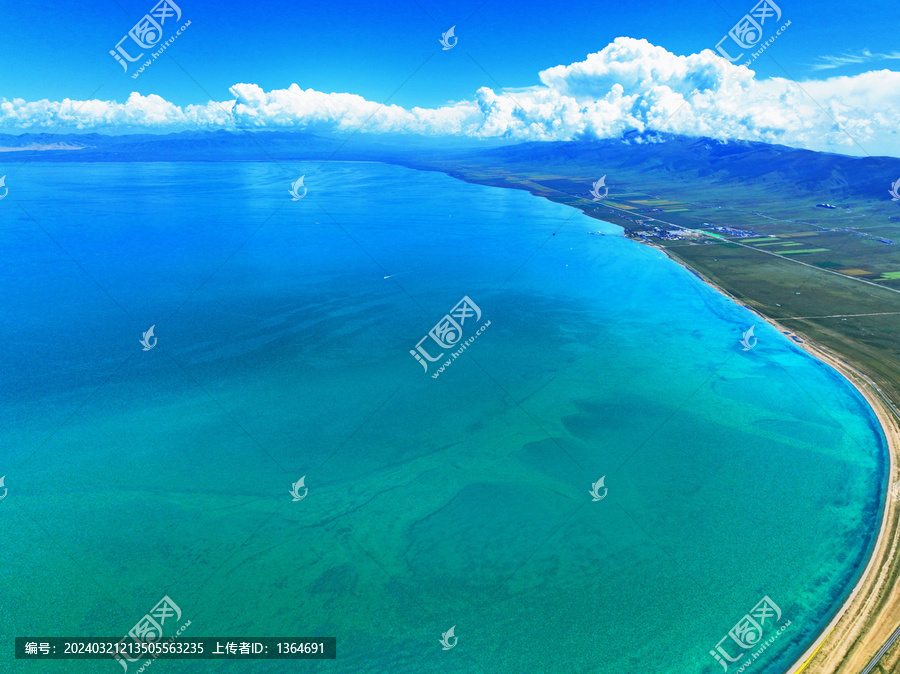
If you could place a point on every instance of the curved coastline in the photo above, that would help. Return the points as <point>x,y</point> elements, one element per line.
<point>867,616</point>
<point>858,628</point>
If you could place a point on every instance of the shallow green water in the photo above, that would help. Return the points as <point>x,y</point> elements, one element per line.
<point>461,500</point>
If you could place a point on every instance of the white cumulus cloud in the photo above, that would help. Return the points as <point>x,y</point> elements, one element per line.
<point>630,84</point>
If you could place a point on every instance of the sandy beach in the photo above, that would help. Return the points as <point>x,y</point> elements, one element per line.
<point>871,612</point>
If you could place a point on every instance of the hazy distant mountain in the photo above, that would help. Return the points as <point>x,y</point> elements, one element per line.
<point>225,146</point>
<point>682,159</point>
<point>675,159</point>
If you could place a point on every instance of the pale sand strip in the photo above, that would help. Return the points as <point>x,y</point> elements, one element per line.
<point>872,610</point>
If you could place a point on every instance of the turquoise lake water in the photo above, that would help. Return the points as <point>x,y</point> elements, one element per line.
<point>461,500</point>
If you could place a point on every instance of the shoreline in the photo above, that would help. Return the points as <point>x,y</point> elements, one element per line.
<point>869,614</point>
<point>858,616</point>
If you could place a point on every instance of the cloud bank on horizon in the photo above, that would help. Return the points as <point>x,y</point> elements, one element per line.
<point>629,85</point>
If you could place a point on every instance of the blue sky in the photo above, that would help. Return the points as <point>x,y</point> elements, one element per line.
<point>390,51</point>
<point>371,48</point>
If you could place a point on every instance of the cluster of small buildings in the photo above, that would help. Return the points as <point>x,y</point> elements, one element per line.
<point>731,231</point>
<point>675,234</point>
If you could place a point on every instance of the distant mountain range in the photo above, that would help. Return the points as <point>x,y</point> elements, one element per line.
<point>223,146</point>
<point>675,159</point>
<point>679,159</point>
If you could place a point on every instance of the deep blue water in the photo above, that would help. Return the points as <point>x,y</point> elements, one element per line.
<point>461,500</point>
